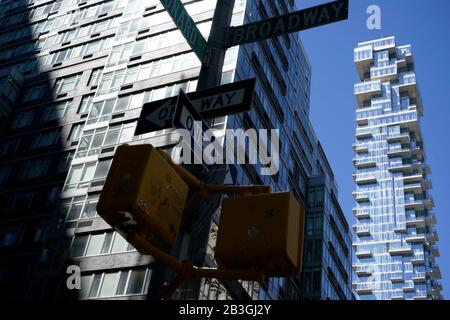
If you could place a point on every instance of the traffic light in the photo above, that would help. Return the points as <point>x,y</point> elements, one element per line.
<point>261,232</point>
<point>143,194</point>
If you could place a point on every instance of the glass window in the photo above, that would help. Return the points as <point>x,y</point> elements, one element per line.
<point>78,246</point>
<point>136,281</point>
<point>109,284</point>
<point>95,244</point>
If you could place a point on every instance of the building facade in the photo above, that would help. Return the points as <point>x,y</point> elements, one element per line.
<point>395,241</point>
<point>88,67</point>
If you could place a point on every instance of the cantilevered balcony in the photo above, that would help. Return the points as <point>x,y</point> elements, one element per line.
<point>428,203</point>
<point>408,84</point>
<point>418,258</point>
<point>361,197</point>
<point>416,238</point>
<point>430,219</point>
<point>364,163</point>
<point>363,133</point>
<point>399,152</point>
<point>363,57</point>
<point>361,213</point>
<point>415,221</point>
<point>433,236</point>
<point>412,178</point>
<point>400,167</point>
<point>435,251</point>
<point>408,286</point>
<point>363,179</point>
<point>385,73</point>
<point>399,137</point>
<point>397,277</point>
<point>363,254</point>
<point>365,90</point>
<point>435,272</point>
<point>414,205</point>
<point>361,230</point>
<point>400,250</point>
<point>416,188</point>
<point>363,288</point>
<point>360,149</point>
<point>363,271</point>
<point>419,277</point>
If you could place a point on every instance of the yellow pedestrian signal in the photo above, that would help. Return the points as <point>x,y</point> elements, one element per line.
<point>143,195</point>
<point>261,232</point>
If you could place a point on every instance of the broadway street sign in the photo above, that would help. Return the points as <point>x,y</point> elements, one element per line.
<point>186,25</point>
<point>211,103</point>
<point>293,22</point>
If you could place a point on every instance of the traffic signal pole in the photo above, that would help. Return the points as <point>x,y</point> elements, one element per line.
<point>210,77</point>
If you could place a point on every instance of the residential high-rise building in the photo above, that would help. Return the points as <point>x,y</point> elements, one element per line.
<point>396,240</point>
<point>88,66</point>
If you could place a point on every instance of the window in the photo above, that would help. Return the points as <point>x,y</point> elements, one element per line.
<point>95,76</point>
<point>45,139</point>
<point>22,119</point>
<point>86,104</point>
<point>33,169</point>
<point>22,200</point>
<point>80,175</point>
<point>57,111</point>
<point>93,140</point>
<point>78,208</point>
<point>5,172</point>
<point>66,84</point>
<point>120,54</point>
<point>127,29</point>
<point>125,282</point>
<point>102,169</point>
<point>102,111</point>
<point>34,93</point>
<point>75,132</point>
<point>64,162</point>
<point>52,195</point>
<point>10,237</point>
<point>101,243</point>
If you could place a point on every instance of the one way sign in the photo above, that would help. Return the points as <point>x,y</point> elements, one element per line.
<point>211,103</point>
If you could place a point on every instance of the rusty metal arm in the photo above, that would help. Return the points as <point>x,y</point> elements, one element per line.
<point>186,270</point>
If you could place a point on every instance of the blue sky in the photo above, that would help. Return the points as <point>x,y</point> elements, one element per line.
<point>423,24</point>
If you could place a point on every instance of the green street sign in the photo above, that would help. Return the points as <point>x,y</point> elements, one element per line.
<point>186,25</point>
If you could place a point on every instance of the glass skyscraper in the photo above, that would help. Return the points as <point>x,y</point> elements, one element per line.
<point>395,242</point>
<point>88,66</point>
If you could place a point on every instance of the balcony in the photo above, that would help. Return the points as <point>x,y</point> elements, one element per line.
<point>414,221</point>
<point>360,149</point>
<point>435,251</point>
<point>405,168</point>
<point>417,188</point>
<point>363,288</point>
<point>363,57</point>
<point>386,73</point>
<point>408,286</point>
<point>365,90</point>
<point>419,277</point>
<point>408,84</point>
<point>430,220</point>
<point>417,205</point>
<point>360,213</point>
<point>416,238</point>
<point>433,237</point>
<point>363,134</point>
<point>399,137</point>
<point>412,178</point>
<point>364,163</point>
<point>435,272</point>
<point>400,229</point>
<point>418,259</point>
<point>363,271</point>
<point>400,250</point>
<point>363,179</point>
<point>428,184</point>
<point>361,230</point>
<point>398,296</point>
<point>429,203</point>
<point>421,296</point>
<point>396,153</point>
<point>361,197</point>
<point>397,278</point>
<point>363,254</point>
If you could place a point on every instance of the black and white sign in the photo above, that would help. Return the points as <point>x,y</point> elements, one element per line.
<point>211,103</point>
<point>293,22</point>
